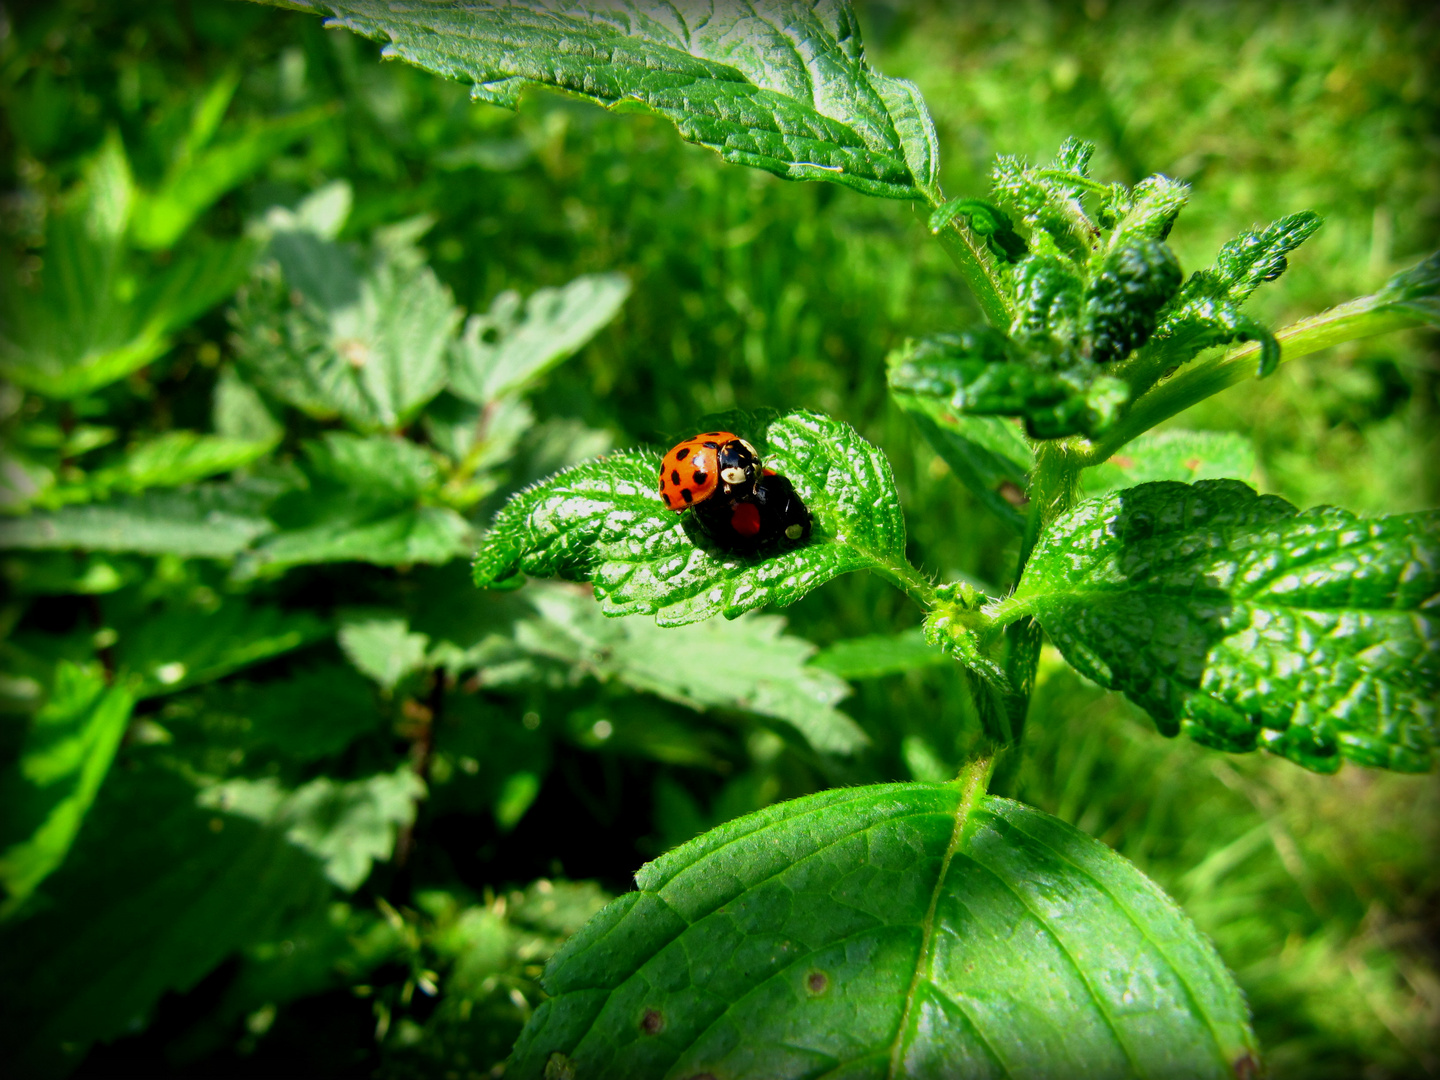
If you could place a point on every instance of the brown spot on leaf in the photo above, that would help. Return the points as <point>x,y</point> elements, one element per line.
<point>1012,494</point>
<point>817,982</point>
<point>1246,1067</point>
<point>652,1023</point>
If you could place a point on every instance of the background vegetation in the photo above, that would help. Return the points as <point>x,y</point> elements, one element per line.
<point>219,912</point>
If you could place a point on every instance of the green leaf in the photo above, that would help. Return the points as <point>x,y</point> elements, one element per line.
<point>1130,287</point>
<point>172,459</point>
<point>517,341</point>
<point>1415,291</point>
<point>365,343</point>
<point>1258,255</point>
<point>604,522</point>
<point>988,454</point>
<point>93,319</point>
<point>316,712</point>
<point>239,412</point>
<point>1173,454</point>
<point>879,654</point>
<point>1243,622</point>
<point>750,665</point>
<point>196,181</point>
<point>45,795</point>
<point>990,223</point>
<point>781,85</point>
<point>984,373</point>
<point>347,826</point>
<point>136,912</point>
<point>383,647</point>
<point>914,930</point>
<point>215,521</point>
<point>169,650</point>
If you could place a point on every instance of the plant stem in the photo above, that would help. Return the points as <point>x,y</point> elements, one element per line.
<point>973,779</point>
<point>1351,321</point>
<point>977,269</point>
<point>908,580</point>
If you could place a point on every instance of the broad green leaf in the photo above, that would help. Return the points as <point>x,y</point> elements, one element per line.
<point>339,338</point>
<point>879,654</point>
<point>311,714</point>
<point>195,181</point>
<point>988,454</point>
<point>899,930</point>
<point>517,341</point>
<point>368,501</point>
<point>781,85</point>
<point>1243,622</point>
<point>604,522</point>
<point>347,826</point>
<point>93,319</point>
<point>986,374</point>
<point>169,650</point>
<point>1173,455</point>
<point>139,911</point>
<point>215,521</point>
<point>749,665</point>
<point>45,795</point>
<point>171,459</point>
<point>382,647</point>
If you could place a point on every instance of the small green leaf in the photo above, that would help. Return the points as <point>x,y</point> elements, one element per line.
<point>516,342</point>
<point>901,930</point>
<point>316,712</point>
<point>1130,287</point>
<point>1258,255</point>
<point>347,826</point>
<point>750,666</point>
<point>781,85</point>
<point>604,522</point>
<point>988,454</point>
<point>139,911</point>
<point>214,521</point>
<point>45,795</point>
<point>875,655</point>
<point>366,343</point>
<point>1416,290</point>
<point>170,650</point>
<point>1243,622</point>
<point>239,412</point>
<point>175,458</point>
<point>382,647</point>
<point>988,222</point>
<point>984,373</point>
<point>1173,455</point>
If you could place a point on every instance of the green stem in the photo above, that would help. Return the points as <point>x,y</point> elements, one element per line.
<point>908,580</point>
<point>973,781</point>
<point>977,268</point>
<point>1361,318</point>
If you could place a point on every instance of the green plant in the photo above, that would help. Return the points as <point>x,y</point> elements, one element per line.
<point>1226,615</point>
<point>241,635</point>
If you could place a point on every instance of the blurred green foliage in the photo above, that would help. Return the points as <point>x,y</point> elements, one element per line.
<point>217,913</point>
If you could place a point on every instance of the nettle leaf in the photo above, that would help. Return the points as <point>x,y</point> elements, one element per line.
<point>347,826</point>
<point>988,454</point>
<point>45,795</point>
<point>1243,622</point>
<point>337,337</point>
<point>517,341</point>
<point>1416,290</point>
<point>1172,454</point>
<point>215,521</point>
<point>136,912</point>
<point>875,655</point>
<point>749,665</point>
<point>370,499</point>
<point>169,650</point>
<point>903,930</point>
<point>986,374</point>
<point>781,85</point>
<point>383,647</point>
<point>604,522</point>
<point>1259,255</point>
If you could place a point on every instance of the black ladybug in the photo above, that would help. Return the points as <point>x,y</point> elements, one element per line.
<point>771,513</point>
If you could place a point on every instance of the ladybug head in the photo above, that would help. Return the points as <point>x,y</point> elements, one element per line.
<point>739,463</point>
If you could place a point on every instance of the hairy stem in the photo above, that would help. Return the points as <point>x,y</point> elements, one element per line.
<point>1351,321</point>
<point>977,268</point>
<point>908,580</point>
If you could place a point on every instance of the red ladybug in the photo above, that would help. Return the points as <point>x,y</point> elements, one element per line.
<point>771,513</point>
<point>697,468</point>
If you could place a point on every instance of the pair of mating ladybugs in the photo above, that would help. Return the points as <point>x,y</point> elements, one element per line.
<point>741,504</point>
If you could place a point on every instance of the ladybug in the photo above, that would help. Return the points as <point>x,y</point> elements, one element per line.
<point>771,513</point>
<point>694,470</point>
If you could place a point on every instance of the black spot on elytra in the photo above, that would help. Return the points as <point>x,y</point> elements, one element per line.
<point>682,453</point>
<point>685,494</point>
<point>817,982</point>
<point>699,477</point>
<point>652,1023</point>
<point>712,446</point>
<point>674,476</point>
<point>713,434</point>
